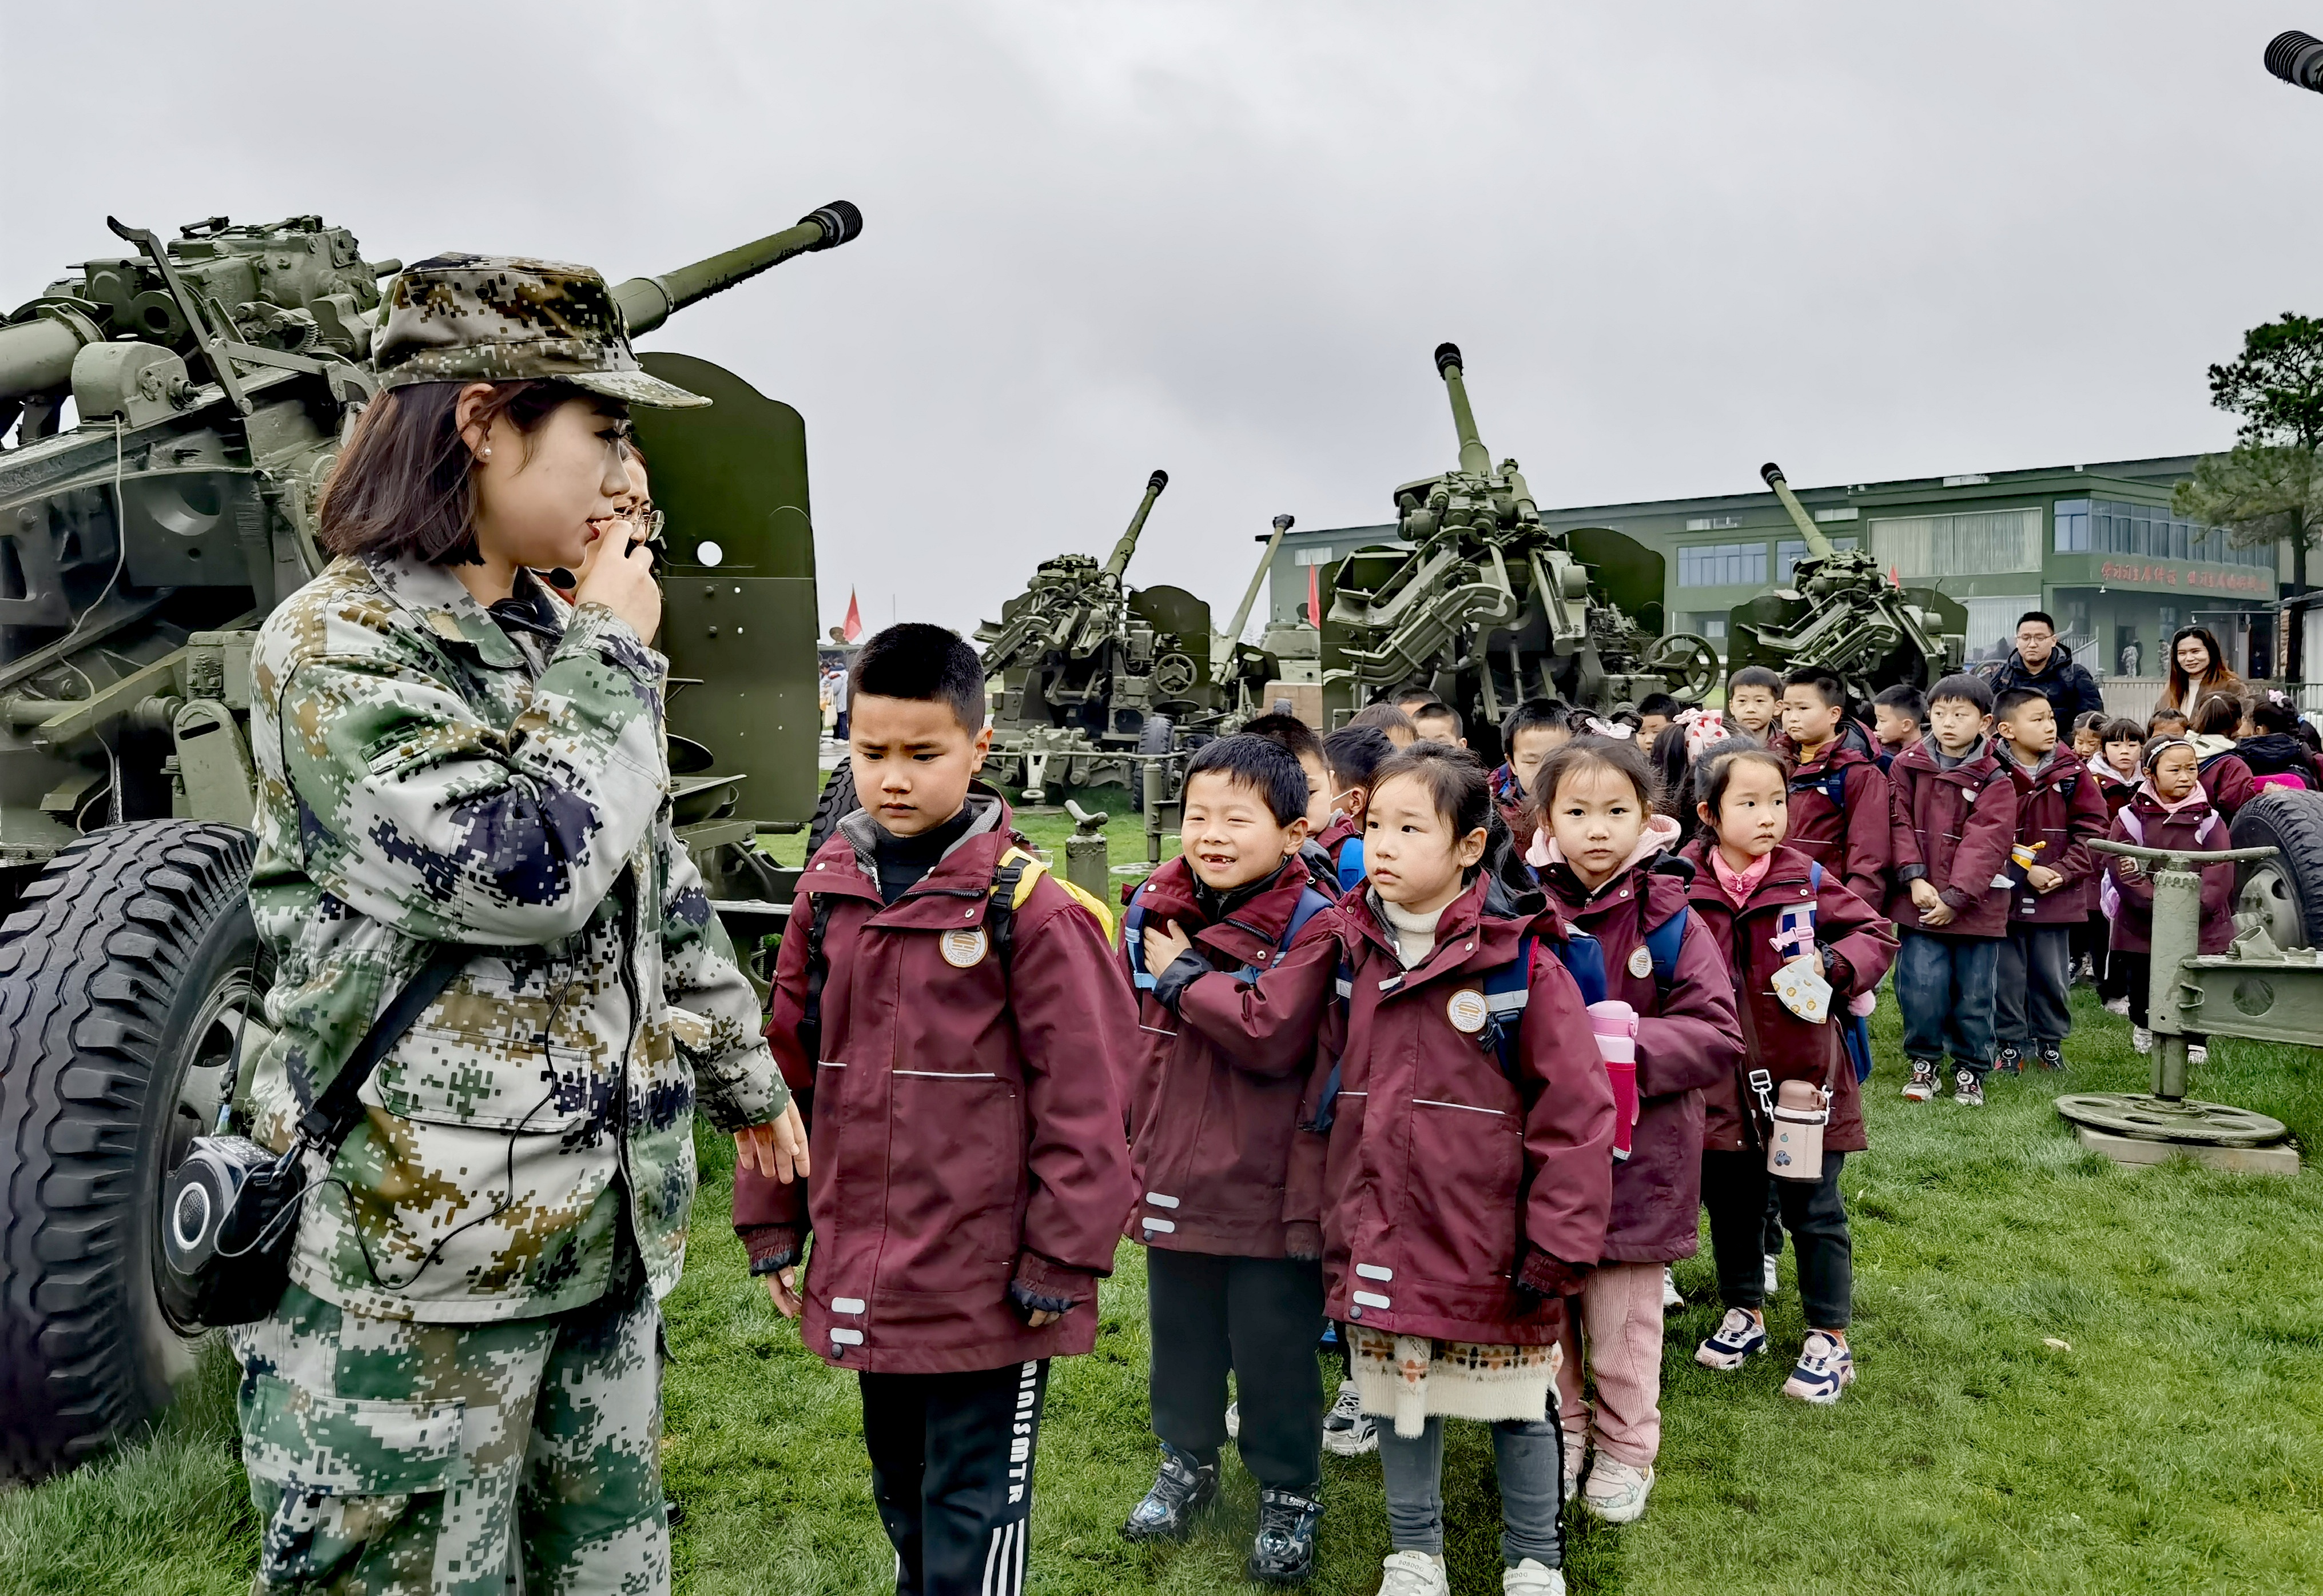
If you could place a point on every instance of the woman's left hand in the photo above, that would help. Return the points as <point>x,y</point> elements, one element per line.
<point>778,1149</point>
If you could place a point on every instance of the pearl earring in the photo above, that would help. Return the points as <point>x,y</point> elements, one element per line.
<point>485,452</point>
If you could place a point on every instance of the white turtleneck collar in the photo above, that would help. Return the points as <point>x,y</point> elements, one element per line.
<point>1415,934</point>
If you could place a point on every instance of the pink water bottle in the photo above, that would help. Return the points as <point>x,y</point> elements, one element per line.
<point>1615,1024</point>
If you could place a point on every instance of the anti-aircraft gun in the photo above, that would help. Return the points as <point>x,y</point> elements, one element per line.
<point>1094,672</point>
<point>1479,599</point>
<point>213,379</point>
<point>1842,614</point>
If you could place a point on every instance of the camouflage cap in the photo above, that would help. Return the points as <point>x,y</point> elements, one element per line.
<point>500,318</point>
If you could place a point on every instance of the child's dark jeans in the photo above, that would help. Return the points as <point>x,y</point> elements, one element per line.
<point>2029,992</point>
<point>1734,1188</point>
<point>1944,990</point>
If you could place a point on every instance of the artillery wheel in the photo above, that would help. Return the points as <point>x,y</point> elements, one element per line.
<point>838,801</point>
<point>2156,1119</point>
<point>125,977</point>
<point>2285,892</point>
<point>1158,735</point>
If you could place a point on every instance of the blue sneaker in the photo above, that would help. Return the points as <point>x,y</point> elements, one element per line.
<point>1825,1368</point>
<point>1740,1333</point>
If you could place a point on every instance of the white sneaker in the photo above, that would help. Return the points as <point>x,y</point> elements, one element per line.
<point>1415,1574</point>
<point>2141,1040</point>
<point>2197,1052</point>
<point>1670,1298</point>
<point>1347,1430</point>
<point>1234,1421</point>
<point>1772,1273</point>
<point>1532,1578</point>
<point>2117,1006</point>
<point>1616,1492</point>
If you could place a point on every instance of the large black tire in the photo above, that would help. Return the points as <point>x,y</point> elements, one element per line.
<point>838,801</point>
<point>2285,892</point>
<point>123,976</point>
<point>1154,737</point>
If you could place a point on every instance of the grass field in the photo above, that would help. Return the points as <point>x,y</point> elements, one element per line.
<point>2074,1378</point>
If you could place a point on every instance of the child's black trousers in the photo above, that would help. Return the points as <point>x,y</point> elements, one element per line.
<point>1259,1318</point>
<point>1734,1188</point>
<point>951,1474</point>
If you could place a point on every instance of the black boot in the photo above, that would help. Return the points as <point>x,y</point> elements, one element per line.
<point>1184,1488</point>
<point>1284,1552</point>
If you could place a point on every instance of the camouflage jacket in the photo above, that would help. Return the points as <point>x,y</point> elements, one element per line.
<point>424,778</point>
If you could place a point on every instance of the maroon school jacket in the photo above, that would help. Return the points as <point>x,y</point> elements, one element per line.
<point>1954,827</point>
<point>1851,837</point>
<point>2062,806</point>
<point>2116,790</point>
<point>1862,945</point>
<point>2133,926</point>
<point>1688,1039</point>
<point>2230,783</point>
<point>1210,1137</point>
<point>965,1121</point>
<point>1440,1178</point>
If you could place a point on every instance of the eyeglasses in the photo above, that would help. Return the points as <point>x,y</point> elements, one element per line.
<point>647,520</point>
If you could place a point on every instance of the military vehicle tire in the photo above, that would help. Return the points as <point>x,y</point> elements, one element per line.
<point>123,976</point>
<point>838,801</point>
<point>2285,892</point>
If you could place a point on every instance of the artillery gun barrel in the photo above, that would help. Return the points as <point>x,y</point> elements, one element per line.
<point>36,356</point>
<point>1473,456</point>
<point>648,302</point>
<point>1818,546</point>
<point>1222,643</point>
<point>1127,546</point>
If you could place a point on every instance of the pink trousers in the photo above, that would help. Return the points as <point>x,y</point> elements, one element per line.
<point>1621,1319</point>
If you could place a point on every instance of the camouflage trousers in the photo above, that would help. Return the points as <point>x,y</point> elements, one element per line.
<point>388,1458</point>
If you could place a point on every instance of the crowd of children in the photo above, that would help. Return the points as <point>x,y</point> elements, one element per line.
<point>1427,1069</point>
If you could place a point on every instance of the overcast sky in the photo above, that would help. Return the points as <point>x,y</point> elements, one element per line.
<point>1674,241</point>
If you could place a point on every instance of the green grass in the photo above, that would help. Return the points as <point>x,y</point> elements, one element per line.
<point>2074,1378</point>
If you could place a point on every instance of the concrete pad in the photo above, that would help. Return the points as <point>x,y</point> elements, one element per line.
<point>2281,1158</point>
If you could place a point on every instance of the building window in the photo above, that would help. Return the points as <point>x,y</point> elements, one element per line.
<point>1722,564</point>
<point>1706,623</point>
<point>1919,547</point>
<point>1712,523</point>
<point>1790,551</point>
<point>1849,514</point>
<point>2111,526</point>
<point>1310,556</point>
<point>1992,623</point>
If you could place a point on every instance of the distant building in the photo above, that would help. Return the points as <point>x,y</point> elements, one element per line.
<point>2094,545</point>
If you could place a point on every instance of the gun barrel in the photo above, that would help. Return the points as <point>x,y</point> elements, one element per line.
<point>1818,546</point>
<point>1222,643</point>
<point>1127,546</point>
<point>36,356</point>
<point>1473,456</point>
<point>648,302</point>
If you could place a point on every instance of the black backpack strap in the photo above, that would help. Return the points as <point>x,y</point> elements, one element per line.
<point>324,1125</point>
<point>818,971</point>
<point>1000,919</point>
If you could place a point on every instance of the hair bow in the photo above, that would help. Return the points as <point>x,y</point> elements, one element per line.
<point>1613,728</point>
<point>1704,729</point>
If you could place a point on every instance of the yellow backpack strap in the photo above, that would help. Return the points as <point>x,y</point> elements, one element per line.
<point>1030,876</point>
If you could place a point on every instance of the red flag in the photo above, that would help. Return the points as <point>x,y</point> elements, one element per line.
<point>1894,577</point>
<point>1314,595</point>
<point>852,627</point>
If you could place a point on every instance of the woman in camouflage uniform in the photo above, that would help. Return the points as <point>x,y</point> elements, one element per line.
<point>465,1363</point>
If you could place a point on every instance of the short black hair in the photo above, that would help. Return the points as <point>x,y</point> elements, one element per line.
<point>2014,700</point>
<point>2122,729</point>
<point>1354,754</point>
<point>926,662</point>
<point>2042,615</point>
<point>1385,716</point>
<point>1436,708</point>
<point>1826,683</point>
<point>1291,732</point>
<point>1660,703</point>
<point>1754,676</point>
<point>1534,714</point>
<point>1905,700</point>
<point>1973,689</point>
<point>2272,714</point>
<point>2159,716</point>
<point>2090,720</point>
<point>1716,772</point>
<point>2219,714</point>
<point>1414,692</point>
<point>1260,764</point>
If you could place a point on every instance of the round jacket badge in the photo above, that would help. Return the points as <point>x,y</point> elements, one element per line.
<point>1641,961</point>
<point>1465,1009</point>
<point>964,949</point>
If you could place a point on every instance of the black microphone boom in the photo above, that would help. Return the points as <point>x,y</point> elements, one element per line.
<point>2297,58</point>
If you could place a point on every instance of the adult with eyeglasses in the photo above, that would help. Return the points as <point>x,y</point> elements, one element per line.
<point>2045,665</point>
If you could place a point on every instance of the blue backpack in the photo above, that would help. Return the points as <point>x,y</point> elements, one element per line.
<point>1133,933</point>
<point>1351,865</point>
<point>1508,989</point>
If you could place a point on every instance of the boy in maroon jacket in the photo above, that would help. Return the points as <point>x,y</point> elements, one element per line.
<point>1532,731</point>
<point>1955,825</point>
<point>2060,808</point>
<point>1352,753</point>
<point>1841,814</point>
<point>1228,1287</point>
<point>955,1027</point>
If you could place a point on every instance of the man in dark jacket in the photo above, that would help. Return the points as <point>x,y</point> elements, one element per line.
<point>956,1029</point>
<point>2046,666</point>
